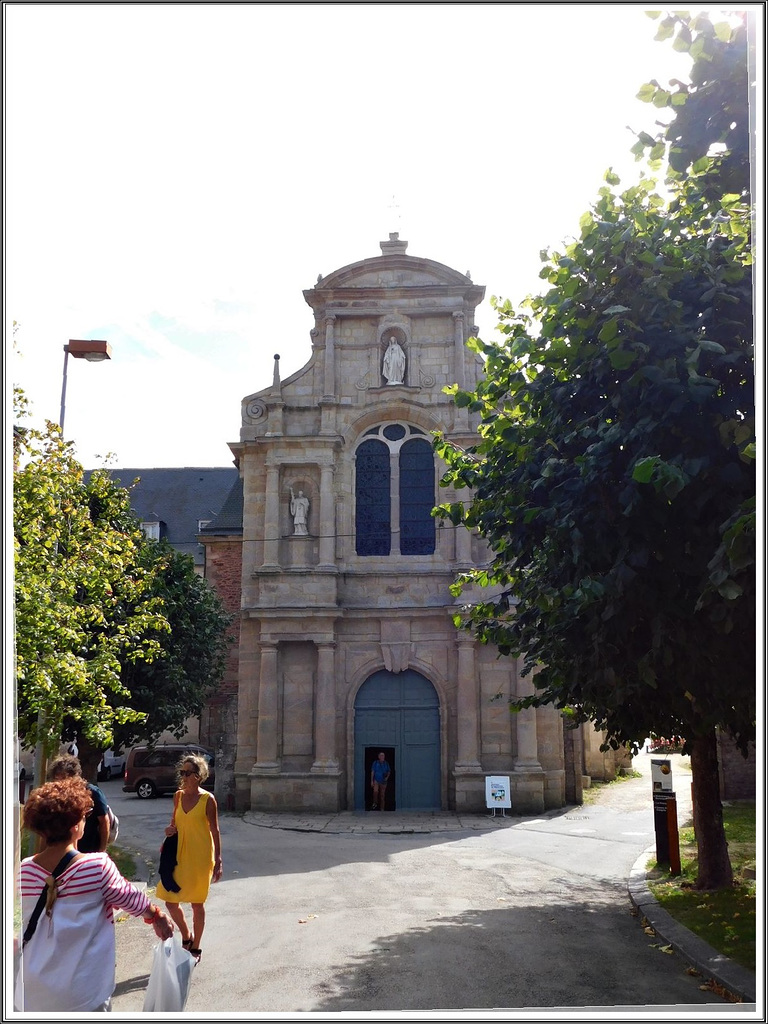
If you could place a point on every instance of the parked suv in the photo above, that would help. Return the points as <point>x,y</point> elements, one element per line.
<point>150,771</point>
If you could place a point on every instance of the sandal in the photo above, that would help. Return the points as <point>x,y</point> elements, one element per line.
<point>196,953</point>
<point>187,944</point>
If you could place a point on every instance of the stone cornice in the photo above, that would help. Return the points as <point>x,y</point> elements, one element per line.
<point>351,301</point>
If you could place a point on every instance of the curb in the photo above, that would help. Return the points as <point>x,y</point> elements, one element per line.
<point>707,961</point>
<point>354,823</point>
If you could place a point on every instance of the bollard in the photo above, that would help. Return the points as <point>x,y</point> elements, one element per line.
<point>673,836</point>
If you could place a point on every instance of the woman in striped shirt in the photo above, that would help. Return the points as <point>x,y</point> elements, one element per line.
<point>68,963</point>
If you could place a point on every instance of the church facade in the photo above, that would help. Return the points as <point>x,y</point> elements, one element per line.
<point>346,644</point>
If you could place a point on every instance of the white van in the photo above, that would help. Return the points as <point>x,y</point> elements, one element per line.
<point>112,764</point>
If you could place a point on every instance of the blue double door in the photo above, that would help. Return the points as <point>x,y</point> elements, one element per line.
<point>399,715</point>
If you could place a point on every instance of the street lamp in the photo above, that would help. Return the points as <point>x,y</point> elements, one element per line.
<point>93,352</point>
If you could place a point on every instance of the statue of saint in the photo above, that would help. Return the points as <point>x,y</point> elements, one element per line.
<point>393,367</point>
<point>300,513</point>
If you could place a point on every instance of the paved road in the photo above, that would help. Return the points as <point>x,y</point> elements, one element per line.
<point>532,913</point>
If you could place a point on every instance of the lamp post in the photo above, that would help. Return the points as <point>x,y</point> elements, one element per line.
<point>93,352</point>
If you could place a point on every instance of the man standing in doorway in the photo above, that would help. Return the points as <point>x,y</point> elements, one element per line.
<point>379,779</point>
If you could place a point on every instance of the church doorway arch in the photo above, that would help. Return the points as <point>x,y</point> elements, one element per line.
<point>400,715</point>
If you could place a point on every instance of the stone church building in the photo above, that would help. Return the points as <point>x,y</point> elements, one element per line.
<point>327,552</point>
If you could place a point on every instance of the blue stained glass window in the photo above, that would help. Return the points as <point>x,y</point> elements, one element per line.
<point>373,525</point>
<point>417,498</point>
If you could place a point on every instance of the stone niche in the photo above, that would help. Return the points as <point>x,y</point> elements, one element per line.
<point>399,329</point>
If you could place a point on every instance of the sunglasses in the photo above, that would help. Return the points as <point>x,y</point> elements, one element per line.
<point>185,774</point>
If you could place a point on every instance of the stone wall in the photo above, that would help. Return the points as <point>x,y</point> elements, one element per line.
<point>737,773</point>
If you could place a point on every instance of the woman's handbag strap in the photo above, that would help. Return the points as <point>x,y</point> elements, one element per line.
<point>29,931</point>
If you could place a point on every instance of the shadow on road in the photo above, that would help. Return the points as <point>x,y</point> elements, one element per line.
<point>512,958</point>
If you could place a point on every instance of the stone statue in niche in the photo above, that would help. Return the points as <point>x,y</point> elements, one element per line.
<point>300,513</point>
<point>393,367</point>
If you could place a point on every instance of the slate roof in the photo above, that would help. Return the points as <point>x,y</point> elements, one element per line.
<point>229,521</point>
<point>179,498</point>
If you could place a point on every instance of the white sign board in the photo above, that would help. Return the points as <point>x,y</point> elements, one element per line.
<point>661,776</point>
<point>497,791</point>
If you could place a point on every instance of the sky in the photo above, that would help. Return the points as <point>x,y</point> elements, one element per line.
<point>176,176</point>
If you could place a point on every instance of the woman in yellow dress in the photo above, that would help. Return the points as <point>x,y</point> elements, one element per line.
<point>198,860</point>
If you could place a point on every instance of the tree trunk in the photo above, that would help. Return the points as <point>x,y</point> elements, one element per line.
<point>715,871</point>
<point>89,758</point>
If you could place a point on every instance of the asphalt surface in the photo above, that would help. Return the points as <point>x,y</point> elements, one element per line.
<point>383,916</point>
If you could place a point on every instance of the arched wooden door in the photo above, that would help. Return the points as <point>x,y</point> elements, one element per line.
<point>399,713</point>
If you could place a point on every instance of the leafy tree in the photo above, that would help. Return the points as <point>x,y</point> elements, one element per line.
<point>176,685</point>
<point>117,638</point>
<point>83,607</point>
<point>710,139</point>
<point>710,129</point>
<point>614,480</point>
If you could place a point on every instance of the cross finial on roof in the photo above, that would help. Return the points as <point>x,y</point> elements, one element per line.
<point>394,245</point>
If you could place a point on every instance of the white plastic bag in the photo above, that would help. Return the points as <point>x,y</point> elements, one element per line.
<point>168,986</point>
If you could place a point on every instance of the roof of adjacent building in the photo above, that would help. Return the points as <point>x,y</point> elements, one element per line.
<point>180,498</point>
<point>229,521</point>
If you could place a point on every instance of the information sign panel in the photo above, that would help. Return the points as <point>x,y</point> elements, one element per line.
<point>661,775</point>
<point>497,791</point>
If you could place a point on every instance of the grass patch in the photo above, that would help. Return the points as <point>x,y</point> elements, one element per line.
<point>126,865</point>
<point>726,919</point>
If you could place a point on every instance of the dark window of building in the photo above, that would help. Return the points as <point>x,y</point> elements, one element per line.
<point>373,524</point>
<point>417,498</point>
<point>395,518</point>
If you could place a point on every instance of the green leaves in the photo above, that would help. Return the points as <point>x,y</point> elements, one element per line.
<point>175,686</point>
<point>609,331</point>
<point>611,455</point>
<point>89,604</point>
<point>709,133</point>
<point>646,93</point>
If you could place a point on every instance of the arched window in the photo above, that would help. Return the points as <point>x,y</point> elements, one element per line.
<point>417,498</point>
<point>394,492</point>
<point>373,528</point>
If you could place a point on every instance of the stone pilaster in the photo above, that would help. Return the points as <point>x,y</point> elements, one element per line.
<point>326,761</point>
<point>467,708</point>
<point>266,737</point>
<point>458,348</point>
<point>329,376</point>
<point>463,546</point>
<point>272,517</point>
<point>528,776</point>
<point>327,525</point>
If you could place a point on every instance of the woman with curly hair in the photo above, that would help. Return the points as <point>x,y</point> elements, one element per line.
<point>198,859</point>
<point>68,956</point>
